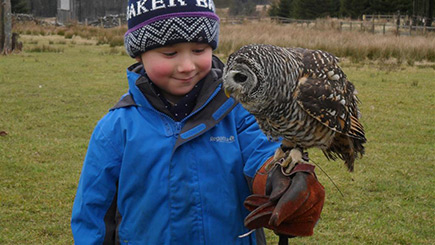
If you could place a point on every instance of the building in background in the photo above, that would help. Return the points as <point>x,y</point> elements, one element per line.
<point>42,8</point>
<point>85,10</point>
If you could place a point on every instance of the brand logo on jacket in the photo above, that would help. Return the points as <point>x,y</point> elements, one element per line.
<point>222,139</point>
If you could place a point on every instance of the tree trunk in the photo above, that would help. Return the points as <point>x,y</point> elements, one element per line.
<point>430,13</point>
<point>2,27</point>
<point>6,26</point>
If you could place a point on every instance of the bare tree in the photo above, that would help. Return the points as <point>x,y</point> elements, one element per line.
<point>5,27</point>
<point>2,27</point>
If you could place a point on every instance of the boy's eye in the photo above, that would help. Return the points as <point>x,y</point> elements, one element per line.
<point>199,50</point>
<point>169,53</point>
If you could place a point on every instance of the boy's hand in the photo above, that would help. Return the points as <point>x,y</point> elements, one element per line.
<point>289,204</point>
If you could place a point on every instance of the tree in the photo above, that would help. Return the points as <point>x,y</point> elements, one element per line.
<point>222,3</point>
<point>404,6</point>
<point>383,6</point>
<point>285,8</point>
<point>430,13</point>
<point>19,6</point>
<point>312,9</point>
<point>354,8</point>
<point>273,10</point>
<point>242,7</point>
<point>5,27</point>
<point>305,9</point>
<point>281,8</point>
<point>2,27</point>
<point>332,8</point>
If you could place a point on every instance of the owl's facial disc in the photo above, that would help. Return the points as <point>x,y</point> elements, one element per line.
<point>237,82</point>
<point>232,80</point>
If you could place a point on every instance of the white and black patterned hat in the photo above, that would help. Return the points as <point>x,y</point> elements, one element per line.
<point>155,23</point>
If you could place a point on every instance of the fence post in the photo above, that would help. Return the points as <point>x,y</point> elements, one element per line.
<point>383,28</point>
<point>398,24</point>
<point>341,26</point>
<point>373,25</point>
<point>351,25</point>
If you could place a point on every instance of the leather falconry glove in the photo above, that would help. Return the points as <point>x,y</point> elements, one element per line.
<point>289,204</point>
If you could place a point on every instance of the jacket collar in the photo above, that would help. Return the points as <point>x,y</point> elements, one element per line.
<point>141,89</point>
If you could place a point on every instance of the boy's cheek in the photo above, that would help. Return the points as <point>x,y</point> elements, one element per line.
<point>159,69</point>
<point>206,62</point>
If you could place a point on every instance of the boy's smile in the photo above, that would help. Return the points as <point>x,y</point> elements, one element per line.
<point>177,68</point>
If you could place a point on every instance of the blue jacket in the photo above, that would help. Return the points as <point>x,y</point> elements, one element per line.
<point>148,179</point>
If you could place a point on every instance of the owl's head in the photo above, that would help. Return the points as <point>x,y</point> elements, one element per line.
<point>243,75</point>
<point>252,73</point>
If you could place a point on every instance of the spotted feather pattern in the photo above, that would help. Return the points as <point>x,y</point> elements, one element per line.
<point>300,95</point>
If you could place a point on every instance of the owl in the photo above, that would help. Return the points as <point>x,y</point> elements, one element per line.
<point>299,96</point>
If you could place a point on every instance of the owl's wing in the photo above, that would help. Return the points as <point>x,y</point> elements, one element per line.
<point>324,102</point>
<point>324,92</point>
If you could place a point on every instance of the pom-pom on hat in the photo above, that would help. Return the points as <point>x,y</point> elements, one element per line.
<point>155,23</point>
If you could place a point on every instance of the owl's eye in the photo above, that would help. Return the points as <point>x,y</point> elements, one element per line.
<point>240,78</point>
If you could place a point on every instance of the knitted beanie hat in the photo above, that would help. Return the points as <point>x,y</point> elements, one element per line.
<point>155,23</point>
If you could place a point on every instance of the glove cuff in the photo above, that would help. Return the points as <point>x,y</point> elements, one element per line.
<point>260,178</point>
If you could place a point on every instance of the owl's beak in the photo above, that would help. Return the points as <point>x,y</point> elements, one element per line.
<point>227,93</point>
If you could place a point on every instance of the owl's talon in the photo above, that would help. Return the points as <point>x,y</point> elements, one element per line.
<point>286,159</point>
<point>289,168</point>
<point>277,158</point>
<point>293,158</point>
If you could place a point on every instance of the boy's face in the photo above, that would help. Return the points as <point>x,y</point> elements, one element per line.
<point>177,68</point>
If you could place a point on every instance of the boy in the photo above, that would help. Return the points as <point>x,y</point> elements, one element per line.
<point>169,163</point>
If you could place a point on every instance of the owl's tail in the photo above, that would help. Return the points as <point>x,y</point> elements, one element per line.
<point>348,146</point>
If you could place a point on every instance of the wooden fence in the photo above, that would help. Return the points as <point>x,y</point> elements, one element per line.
<point>389,27</point>
<point>385,28</point>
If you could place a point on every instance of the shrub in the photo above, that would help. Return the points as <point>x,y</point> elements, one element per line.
<point>45,49</point>
<point>69,34</point>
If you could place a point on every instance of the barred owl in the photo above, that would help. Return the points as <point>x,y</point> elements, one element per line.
<point>300,96</point>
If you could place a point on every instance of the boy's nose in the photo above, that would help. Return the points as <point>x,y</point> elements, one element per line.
<point>186,65</point>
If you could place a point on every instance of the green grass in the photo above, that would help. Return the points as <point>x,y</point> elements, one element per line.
<point>50,103</point>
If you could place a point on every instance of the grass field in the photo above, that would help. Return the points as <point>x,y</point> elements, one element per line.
<point>52,97</point>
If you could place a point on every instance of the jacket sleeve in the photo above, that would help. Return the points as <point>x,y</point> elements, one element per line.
<point>256,148</point>
<point>97,187</point>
